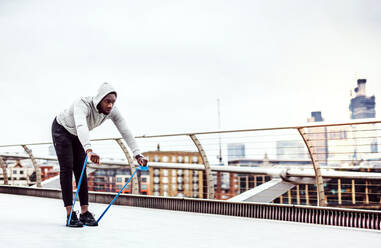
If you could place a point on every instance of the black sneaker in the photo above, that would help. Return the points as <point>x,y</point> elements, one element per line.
<point>88,219</point>
<point>74,222</point>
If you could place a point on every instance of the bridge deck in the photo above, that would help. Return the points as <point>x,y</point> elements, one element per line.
<point>39,222</point>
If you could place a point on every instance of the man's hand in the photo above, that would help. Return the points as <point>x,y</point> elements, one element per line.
<point>142,161</point>
<point>93,157</point>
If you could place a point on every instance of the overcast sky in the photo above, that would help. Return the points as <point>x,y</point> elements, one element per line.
<point>270,62</point>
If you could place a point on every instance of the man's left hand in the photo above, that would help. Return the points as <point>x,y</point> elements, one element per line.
<point>142,161</point>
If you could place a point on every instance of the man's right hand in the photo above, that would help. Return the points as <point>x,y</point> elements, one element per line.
<point>93,157</point>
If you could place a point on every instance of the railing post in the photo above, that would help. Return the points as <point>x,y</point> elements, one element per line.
<point>35,165</point>
<point>208,171</point>
<point>339,191</point>
<point>4,168</point>
<point>135,186</point>
<point>318,177</point>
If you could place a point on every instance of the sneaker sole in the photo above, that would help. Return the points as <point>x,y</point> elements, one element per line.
<point>75,226</point>
<point>91,224</point>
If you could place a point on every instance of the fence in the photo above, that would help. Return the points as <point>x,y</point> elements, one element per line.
<point>201,165</point>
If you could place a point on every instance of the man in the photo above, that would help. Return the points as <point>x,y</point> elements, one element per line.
<point>70,132</point>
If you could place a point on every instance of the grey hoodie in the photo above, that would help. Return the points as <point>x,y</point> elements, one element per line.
<point>83,116</point>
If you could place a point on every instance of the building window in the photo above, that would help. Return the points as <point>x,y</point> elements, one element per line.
<point>156,158</point>
<point>99,180</point>
<point>165,187</point>
<point>100,173</point>
<point>374,147</point>
<point>186,159</point>
<point>180,159</point>
<point>195,159</point>
<point>165,159</point>
<point>119,179</point>
<point>156,180</point>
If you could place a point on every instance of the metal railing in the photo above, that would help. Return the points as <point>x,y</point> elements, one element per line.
<point>317,147</point>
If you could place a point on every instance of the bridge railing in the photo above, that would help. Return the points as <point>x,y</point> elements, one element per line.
<point>317,148</point>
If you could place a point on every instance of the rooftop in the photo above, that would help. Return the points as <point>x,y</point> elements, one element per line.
<point>40,222</point>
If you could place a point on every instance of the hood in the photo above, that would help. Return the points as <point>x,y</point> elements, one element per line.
<point>103,91</point>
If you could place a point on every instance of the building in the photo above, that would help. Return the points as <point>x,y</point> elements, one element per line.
<point>160,182</point>
<point>291,149</point>
<point>318,139</point>
<point>48,171</point>
<point>362,106</point>
<point>19,175</point>
<point>270,162</point>
<point>353,143</point>
<point>172,182</point>
<point>113,179</point>
<point>122,179</point>
<point>236,151</point>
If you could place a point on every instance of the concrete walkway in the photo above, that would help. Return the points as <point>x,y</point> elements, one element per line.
<point>40,222</point>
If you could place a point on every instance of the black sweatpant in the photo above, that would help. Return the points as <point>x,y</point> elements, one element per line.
<point>71,157</point>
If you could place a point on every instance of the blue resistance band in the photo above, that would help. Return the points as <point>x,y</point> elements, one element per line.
<point>141,168</point>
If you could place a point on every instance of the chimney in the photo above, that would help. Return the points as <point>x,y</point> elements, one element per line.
<point>361,91</point>
<point>316,116</point>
